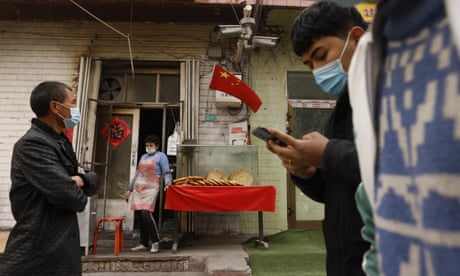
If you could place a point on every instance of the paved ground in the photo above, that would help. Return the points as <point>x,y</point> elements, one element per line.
<point>221,252</point>
<point>145,274</point>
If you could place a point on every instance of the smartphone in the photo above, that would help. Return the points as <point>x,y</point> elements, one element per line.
<point>263,133</point>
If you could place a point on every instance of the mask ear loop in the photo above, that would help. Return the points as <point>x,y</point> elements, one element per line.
<point>57,112</point>
<point>344,46</point>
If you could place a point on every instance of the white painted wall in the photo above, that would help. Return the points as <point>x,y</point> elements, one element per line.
<point>267,72</point>
<point>31,52</point>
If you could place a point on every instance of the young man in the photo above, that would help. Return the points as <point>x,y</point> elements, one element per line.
<point>325,167</point>
<point>47,189</point>
<point>407,134</point>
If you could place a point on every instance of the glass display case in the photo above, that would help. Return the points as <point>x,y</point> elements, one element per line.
<point>200,159</point>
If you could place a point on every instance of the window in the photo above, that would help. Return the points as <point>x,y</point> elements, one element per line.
<point>141,88</point>
<point>310,105</point>
<point>153,82</point>
<point>169,88</point>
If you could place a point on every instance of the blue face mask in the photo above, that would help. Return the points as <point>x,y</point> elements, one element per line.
<point>331,77</point>
<point>74,117</point>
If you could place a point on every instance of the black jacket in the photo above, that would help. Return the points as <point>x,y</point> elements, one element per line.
<point>44,201</point>
<point>335,186</point>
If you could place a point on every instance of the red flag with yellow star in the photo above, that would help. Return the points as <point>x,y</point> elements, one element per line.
<point>225,81</point>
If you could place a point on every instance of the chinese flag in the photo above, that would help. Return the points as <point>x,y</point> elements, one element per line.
<point>225,81</point>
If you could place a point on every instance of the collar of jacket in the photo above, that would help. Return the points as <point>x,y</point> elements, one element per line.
<point>60,139</point>
<point>43,126</point>
<point>343,102</point>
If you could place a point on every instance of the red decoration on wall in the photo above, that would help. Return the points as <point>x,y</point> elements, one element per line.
<point>119,132</point>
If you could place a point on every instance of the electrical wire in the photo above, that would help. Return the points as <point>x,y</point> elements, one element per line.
<point>98,19</point>
<point>112,28</point>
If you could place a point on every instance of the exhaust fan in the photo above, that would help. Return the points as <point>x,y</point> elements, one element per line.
<point>110,89</point>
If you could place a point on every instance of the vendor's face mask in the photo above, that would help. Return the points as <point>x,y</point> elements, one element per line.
<point>150,150</point>
<point>331,77</point>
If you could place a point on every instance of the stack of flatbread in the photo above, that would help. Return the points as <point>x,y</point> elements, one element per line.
<point>241,176</point>
<point>216,174</point>
<point>218,177</point>
<point>201,181</point>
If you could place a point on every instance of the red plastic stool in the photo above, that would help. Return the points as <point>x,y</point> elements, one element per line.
<point>118,243</point>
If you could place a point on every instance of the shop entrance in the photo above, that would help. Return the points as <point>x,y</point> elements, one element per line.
<point>119,108</point>
<point>161,122</point>
<point>119,145</point>
<point>115,159</point>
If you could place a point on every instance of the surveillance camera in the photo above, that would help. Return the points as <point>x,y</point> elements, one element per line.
<point>265,41</point>
<point>227,31</point>
<point>247,10</point>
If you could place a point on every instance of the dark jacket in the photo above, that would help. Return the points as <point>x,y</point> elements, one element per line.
<point>335,186</point>
<point>44,201</point>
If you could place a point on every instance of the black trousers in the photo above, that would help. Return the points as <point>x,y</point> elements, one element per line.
<point>147,227</point>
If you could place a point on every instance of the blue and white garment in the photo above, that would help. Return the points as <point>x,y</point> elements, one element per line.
<point>417,188</point>
<point>414,195</point>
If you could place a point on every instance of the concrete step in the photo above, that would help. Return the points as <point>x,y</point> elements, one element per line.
<point>215,256</point>
<point>119,263</point>
<point>145,274</point>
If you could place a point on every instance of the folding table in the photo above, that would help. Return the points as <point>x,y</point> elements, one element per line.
<point>221,199</point>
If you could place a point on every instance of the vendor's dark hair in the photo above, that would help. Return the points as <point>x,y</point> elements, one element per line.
<point>46,92</point>
<point>323,18</point>
<point>152,138</point>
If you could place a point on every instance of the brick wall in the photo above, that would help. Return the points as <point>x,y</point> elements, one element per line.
<point>31,52</point>
<point>267,73</point>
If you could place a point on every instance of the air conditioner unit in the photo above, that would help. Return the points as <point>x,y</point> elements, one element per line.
<point>224,100</point>
<point>112,88</point>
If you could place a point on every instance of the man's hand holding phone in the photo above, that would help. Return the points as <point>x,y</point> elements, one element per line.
<point>264,134</point>
<point>300,157</point>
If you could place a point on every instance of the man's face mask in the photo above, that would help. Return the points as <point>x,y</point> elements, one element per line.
<point>74,117</point>
<point>331,77</point>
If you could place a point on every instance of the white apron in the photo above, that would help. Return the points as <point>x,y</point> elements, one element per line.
<point>146,186</point>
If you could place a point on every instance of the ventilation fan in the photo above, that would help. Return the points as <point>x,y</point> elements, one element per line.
<point>110,89</point>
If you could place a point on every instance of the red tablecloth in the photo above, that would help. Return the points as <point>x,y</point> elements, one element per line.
<point>221,198</point>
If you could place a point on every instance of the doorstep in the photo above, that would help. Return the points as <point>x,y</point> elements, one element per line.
<point>211,255</point>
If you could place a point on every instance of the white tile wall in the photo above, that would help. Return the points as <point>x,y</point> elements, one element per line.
<point>31,52</point>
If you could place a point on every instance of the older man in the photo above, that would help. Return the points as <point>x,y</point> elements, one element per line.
<point>48,188</point>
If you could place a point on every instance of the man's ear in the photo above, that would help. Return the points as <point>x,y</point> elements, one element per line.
<point>53,107</point>
<point>356,33</point>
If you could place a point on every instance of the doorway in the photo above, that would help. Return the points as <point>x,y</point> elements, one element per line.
<point>119,109</point>
<point>115,159</point>
<point>119,145</point>
<point>161,122</point>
